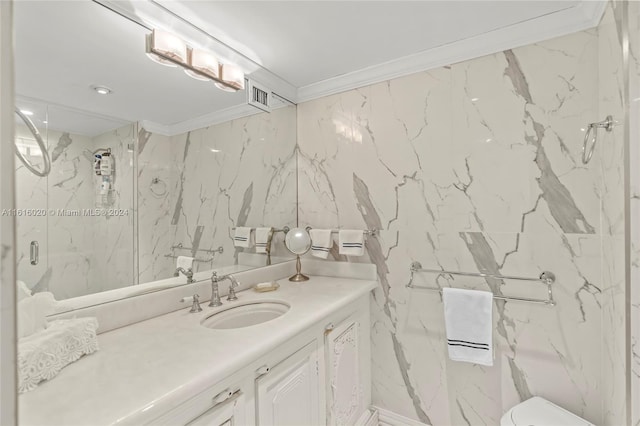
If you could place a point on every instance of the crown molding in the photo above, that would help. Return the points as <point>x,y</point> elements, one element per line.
<point>583,16</point>
<point>203,121</point>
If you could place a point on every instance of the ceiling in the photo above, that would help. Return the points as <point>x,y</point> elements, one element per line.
<point>306,49</point>
<point>308,41</point>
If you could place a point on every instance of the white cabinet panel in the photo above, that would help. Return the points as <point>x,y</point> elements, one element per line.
<point>229,413</point>
<point>345,395</point>
<point>289,394</point>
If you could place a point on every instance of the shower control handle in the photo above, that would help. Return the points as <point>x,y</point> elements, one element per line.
<point>34,252</point>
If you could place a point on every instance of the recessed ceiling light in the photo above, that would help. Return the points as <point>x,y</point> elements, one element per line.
<point>26,112</point>
<point>102,90</point>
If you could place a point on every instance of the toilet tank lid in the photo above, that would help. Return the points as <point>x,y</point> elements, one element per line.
<point>540,412</point>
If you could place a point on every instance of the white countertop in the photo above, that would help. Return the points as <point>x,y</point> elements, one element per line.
<point>168,359</point>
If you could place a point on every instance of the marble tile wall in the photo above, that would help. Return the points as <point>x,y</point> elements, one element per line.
<point>238,173</point>
<point>634,138</point>
<point>471,167</point>
<point>610,156</point>
<point>113,234</point>
<point>79,253</point>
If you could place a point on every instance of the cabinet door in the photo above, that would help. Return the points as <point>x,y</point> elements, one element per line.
<point>289,395</point>
<point>228,413</point>
<point>345,373</point>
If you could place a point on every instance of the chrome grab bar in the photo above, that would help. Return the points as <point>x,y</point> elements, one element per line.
<point>45,154</point>
<point>547,278</point>
<point>592,131</point>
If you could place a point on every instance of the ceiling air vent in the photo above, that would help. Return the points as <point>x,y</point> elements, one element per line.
<point>258,96</point>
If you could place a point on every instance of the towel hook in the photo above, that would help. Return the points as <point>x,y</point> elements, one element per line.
<point>591,137</point>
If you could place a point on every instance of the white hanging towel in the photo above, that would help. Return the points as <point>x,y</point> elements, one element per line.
<point>321,242</point>
<point>243,237</point>
<point>351,242</point>
<point>467,317</point>
<point>262,238</point>
<point>184,262</point>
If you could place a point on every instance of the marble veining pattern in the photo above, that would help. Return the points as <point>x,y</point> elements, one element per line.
<point>79,253</point>
<point>472,167</point>
<point>634,152</point>
<point>238,173</point>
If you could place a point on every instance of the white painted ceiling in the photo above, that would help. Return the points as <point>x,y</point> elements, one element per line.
<point>308,41</point>
<point>64,47</point>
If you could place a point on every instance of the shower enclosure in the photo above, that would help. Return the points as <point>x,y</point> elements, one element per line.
<point>75,226</point>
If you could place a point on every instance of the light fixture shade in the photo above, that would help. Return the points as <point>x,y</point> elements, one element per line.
<point>232,75</point>
<point>204,62</point>
<point>162,45</point>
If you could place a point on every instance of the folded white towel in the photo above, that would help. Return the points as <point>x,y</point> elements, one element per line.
<point>32,313</point>
<point>321,242</point>
<point>243,237</point>
<point>184,262</point>
<point>351,242</point>
<point>262,238</point>
<point>467,317</point>
<point>42,355</point>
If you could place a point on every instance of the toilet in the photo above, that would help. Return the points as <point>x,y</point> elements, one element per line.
<point>538,411</point>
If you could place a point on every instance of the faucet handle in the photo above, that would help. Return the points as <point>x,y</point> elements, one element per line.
<point>232,289</point>
<point>195,307</point>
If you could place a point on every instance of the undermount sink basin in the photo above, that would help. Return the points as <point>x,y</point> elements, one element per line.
<point>245,315</point>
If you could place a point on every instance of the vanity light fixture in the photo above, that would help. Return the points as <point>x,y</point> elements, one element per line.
<point>168,49</point>
<point>205,63</point>
<point>232,76</point>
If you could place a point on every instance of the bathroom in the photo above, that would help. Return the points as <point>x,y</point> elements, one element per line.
<point>477,145</point>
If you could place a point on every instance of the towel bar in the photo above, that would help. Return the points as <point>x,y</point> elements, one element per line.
<point>547,278</point>
<point>372,232</point>
<point>196,259</point>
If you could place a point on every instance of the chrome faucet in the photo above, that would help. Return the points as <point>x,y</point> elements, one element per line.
<point>215,293</point>
<point>187,273</point>
<point>195,307</point>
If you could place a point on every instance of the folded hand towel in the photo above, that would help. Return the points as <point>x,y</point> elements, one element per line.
<point>184,262</point>
<point>243,237</point>
<point>42,355</point>
<point>351,242</point>
<point>321,242</point>
<point>262,238</point>
<point>467,317</point>
<point>32,313</point>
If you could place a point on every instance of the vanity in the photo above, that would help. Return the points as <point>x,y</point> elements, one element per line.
<point>310,365</point>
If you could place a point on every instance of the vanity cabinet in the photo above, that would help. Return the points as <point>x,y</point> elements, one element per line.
<point>227,407</point>
<point>319,377</point>
<point>347,371</point>
<point>227,413</point>
<point>289,394</point>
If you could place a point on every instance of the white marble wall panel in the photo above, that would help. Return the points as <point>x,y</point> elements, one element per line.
<point>157,192</point>
<point>634,152</point>
<point>238,173</point>
<point>609,155</point>
<point>471,167</point>
<point>79,253</point>
<point>113,234</point>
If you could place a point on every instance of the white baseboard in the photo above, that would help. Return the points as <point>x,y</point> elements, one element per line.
<point>389,418</point>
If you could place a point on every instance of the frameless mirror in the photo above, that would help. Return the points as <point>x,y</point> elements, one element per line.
<point>145,168</point>
<point>298,242</point>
